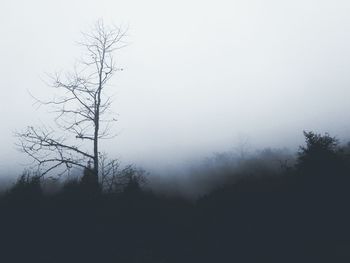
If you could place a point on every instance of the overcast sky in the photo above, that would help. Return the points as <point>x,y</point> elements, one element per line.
<point>198,75</point>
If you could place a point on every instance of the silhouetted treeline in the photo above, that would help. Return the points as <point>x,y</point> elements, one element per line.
<point>297,213</point>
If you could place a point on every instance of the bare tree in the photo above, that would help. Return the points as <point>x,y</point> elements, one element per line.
<point>115,179</point>
<point>82,108</point>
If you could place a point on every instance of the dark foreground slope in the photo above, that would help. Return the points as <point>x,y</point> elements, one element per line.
<point>271,219</point>
<point>300,215</point>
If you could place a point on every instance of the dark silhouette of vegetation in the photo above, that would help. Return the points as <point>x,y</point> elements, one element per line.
<point>89,181</point>
<point>298,213</point>
<point>320,155</point>
<point>27,186</point>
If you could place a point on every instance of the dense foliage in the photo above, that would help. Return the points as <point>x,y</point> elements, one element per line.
<point>300,214</point>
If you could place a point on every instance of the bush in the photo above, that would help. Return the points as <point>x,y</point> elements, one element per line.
<point>28,186</point>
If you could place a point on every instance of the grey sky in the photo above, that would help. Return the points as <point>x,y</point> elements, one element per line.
<point>198,74</point>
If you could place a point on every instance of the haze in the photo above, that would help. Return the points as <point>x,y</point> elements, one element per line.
<point>198,75</point>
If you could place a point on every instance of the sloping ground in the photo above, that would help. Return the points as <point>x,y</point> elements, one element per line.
<point>260,219</point>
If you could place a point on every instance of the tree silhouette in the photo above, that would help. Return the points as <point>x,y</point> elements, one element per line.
<point>319,156</point>
<point>82,108</point>
<point>89,181</point>
<point>28,186</point>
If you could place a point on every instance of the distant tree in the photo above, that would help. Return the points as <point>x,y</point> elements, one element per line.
<point>28,186</point>
<point>89,182</point>
<point>320,155</point>
<point>135,178</point>
<point>82,108</point>
<point>116,180</point>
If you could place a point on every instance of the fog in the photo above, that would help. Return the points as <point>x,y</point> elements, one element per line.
<point>199,76</point>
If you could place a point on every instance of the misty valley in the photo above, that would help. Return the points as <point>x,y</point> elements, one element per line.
<point>201,132</point>
<point>248,209</point>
